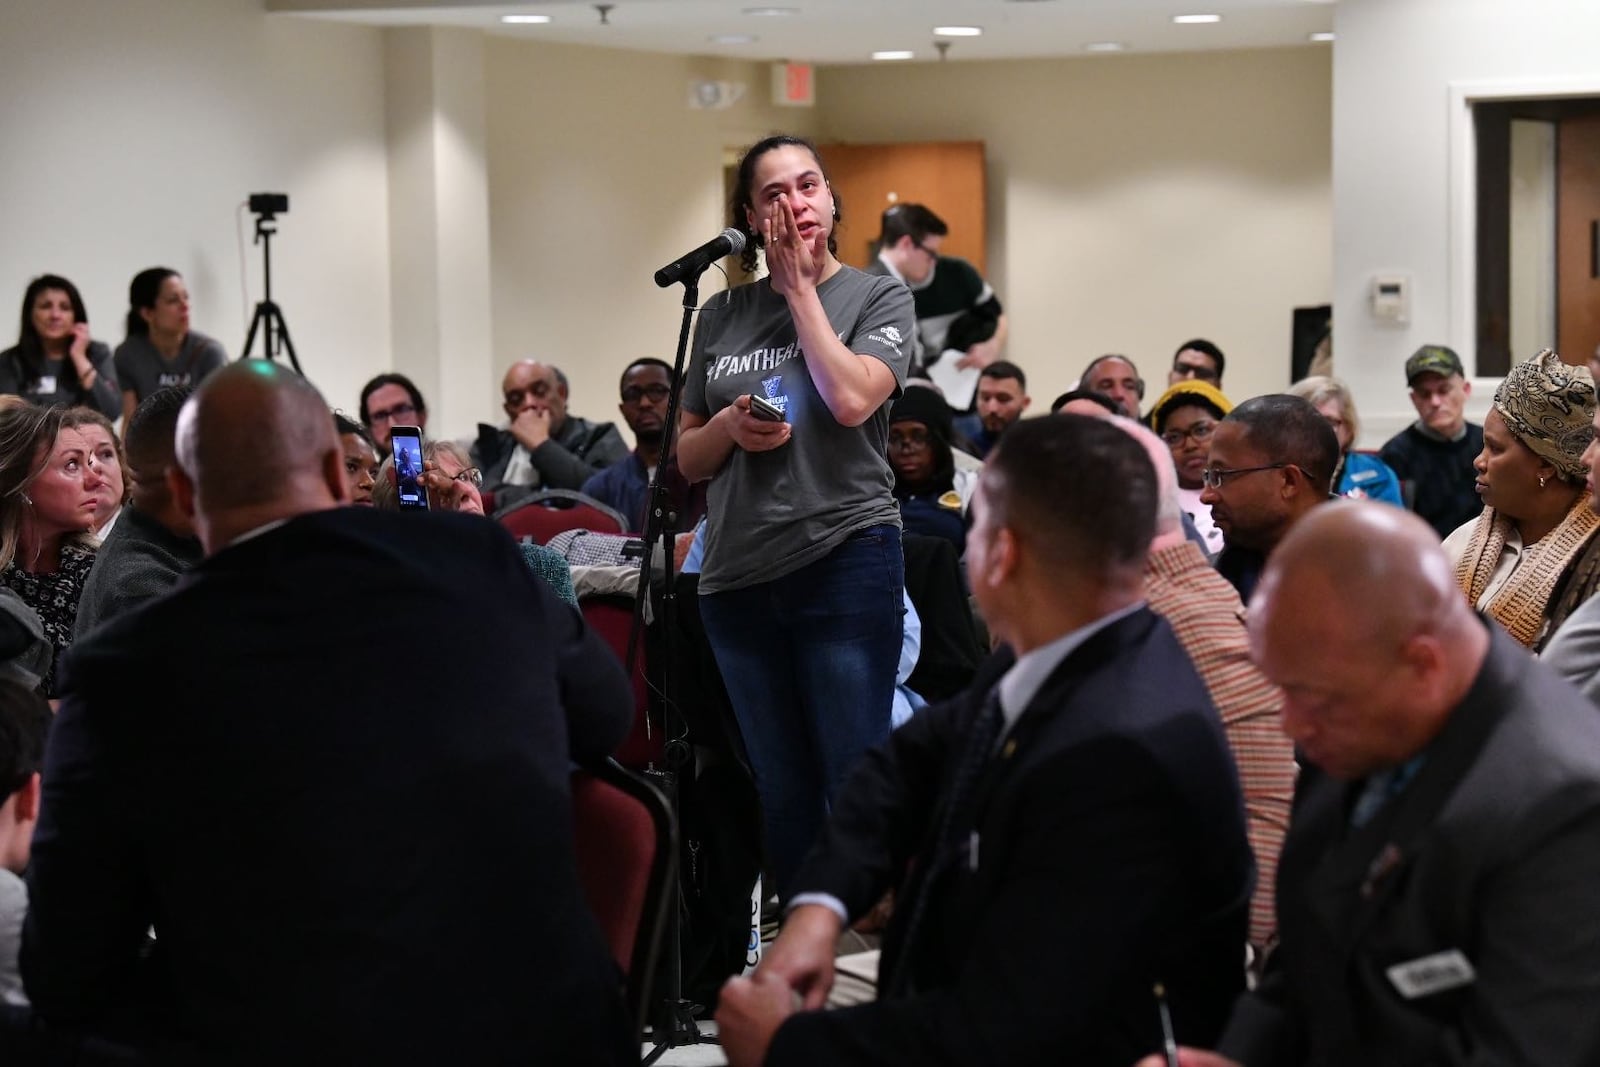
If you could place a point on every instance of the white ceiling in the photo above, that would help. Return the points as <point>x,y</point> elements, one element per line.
<point>848,31</point>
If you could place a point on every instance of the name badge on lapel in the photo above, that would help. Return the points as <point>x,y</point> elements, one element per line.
<point>1428,975</point>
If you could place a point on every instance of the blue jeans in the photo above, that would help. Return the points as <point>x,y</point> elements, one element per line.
<point>809,661</point>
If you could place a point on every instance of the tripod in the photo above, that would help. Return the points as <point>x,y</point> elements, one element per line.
<point>673,1021</point>
<point>268,320</point>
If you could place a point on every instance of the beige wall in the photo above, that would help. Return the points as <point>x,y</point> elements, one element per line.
<point>1134,201</point>
<point>133,130</point>
<point>599,174</point>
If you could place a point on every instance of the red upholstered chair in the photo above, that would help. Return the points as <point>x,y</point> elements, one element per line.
<point>627,849</point>
<point>611,617</point>
<point>552,511</point>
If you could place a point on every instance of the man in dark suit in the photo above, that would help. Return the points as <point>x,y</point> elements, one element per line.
<point>1436,893</point>
<point>1064,836</point>
<point>330,771</point>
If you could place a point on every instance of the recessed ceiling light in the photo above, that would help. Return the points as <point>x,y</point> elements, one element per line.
<point>1189,20</point>
<point>525,20</point>
<point>1321,37</point>
<point>1105,46</point>
<point>894,54</point>
<point>771,12</point>
<point>958,31</point>
<point>732,38</point>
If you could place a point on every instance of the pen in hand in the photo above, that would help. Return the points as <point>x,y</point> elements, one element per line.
<point>1169,1042</point>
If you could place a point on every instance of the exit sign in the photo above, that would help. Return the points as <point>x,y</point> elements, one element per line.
<point>793,85</point>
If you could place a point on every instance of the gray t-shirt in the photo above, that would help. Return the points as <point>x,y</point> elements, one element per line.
<point>770,513</point>
<point>141,368</point>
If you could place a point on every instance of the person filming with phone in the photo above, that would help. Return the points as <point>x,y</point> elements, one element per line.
<point>786,410</point>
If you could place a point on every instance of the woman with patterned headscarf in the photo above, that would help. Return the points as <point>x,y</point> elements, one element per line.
<point>1531,557</point>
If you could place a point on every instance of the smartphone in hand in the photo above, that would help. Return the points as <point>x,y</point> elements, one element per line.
<point>765,410</point>
<point>406,444</point>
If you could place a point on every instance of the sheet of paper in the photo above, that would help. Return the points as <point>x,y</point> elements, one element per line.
<point>957,385</point>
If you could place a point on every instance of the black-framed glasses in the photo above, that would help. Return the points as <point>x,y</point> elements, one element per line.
<point>656,391</point>
<point>1195,371</point>
<point>399,411</point>
<point>1200,431</point>
<point>1213,477</point>
<point>908,442</point>
<point>472,476</point>
<point>930,253</point>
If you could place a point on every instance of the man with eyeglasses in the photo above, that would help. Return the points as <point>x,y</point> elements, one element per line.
<point>391,400</point>
<point>1434,455</point>
<point>1197,361</point>
<point>625,486</point>
<point>1271,461</point>
<point>542,446</point>
<point>956,309</point>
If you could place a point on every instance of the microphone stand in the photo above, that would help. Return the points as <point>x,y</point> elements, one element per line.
<point>673,1023</point>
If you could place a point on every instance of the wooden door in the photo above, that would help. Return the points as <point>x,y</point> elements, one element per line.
<point>946,177</point>
<point>1578,237</point>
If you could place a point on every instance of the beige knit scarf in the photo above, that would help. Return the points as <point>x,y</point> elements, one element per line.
<point>1520,604</point>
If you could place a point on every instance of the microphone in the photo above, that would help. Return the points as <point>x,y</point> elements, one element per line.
<point>729,242</point>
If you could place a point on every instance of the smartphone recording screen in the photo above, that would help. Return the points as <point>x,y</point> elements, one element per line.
<point>406,442</point>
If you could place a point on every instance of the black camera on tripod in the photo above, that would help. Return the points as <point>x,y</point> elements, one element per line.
<point>269,204</point>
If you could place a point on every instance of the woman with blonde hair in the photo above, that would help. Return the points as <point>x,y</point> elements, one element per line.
<point>1531,558</point>
<point>1359,475</point>
<point>47,507</point>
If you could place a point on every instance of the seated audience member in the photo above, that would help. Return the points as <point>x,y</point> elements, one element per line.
<point>1197,361</point>
<point>47,505</point>
<point>426,826</point>
<point>1359,476</point>
<point>1185,417</point>
<point>1434,456</point>
<point>957,310</point>
<point>1532,557</point>
<point>54,363</point>
<point>1270,462</point>
<point>932,494</point>
<point>452,484</point>
<point>1206,613</point>
<point>906,700</point>
<point>625,486</point>
<point>1084,402</point>
<point>1002,398</point>
<point>543,446</point>
<point>391,400</point>
<point>105,456</point>
<point>1062,835</point>
<point>161,350</point>
<point>360,459</point>
<point>1118,378</point>
<point>24,722</point>
<point>1436,894</point>
<point>154,543</point>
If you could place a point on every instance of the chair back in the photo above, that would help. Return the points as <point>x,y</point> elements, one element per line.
<point>627,851</point>
<point>611,618</point>
<point>552,511</point>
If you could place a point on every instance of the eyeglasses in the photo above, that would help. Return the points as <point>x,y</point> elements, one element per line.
<point>1200,431</point>
<point>1195,371</point>
<point>1213,477</point>
<point>930,253</point>
<point>399,411</point>
<point>908,442</point>
<point>472,476</point>
<point>635,393</point>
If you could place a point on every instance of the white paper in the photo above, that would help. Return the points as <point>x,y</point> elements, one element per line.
<point>958,386</point>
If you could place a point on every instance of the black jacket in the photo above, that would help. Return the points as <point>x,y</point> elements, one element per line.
<point>331,770</point>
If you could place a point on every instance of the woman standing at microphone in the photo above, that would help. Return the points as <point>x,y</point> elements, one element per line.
<point>801,586</point>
